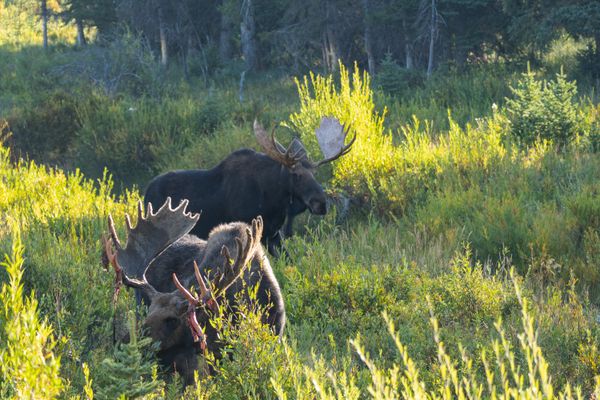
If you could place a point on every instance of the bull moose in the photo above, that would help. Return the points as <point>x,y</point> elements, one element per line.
<point>160,260</point>
<point>274,184</point>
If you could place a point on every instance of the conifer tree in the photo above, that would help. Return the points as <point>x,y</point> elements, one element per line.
<point>130,373</point>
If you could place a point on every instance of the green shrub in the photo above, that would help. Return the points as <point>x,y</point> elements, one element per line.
<point>543,110</point>
<point>372,154</point>
<point>134,138</point>
<point>252,354</point>
<point>29,369</point>
<point>46,131</point>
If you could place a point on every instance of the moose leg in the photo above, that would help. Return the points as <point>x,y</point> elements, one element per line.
<point>274,244</point>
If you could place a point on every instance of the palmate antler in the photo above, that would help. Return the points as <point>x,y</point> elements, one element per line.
<point>229,272</point>
<point>152,234</point>
<point>331,136</point>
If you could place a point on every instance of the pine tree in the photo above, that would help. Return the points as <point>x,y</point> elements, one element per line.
<point>130,373</point>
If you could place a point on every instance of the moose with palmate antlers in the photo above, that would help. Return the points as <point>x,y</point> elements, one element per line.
<point>162,260</point>
<point>276,184</point>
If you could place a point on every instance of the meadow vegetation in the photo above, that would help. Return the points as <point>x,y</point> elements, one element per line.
<point>468,266</point>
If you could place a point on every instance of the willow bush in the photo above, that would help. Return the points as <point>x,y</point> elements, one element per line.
<point>29,368</point>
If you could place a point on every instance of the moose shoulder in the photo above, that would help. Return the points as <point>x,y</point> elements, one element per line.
<point>247,184</point>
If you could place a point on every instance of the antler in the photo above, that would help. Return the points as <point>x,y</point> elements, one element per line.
<point>331,136</point>
<point>224,278</point>
<point>288,157</point>
<point>150,237</point>
<point>230,272</point>
<point>197,331</point>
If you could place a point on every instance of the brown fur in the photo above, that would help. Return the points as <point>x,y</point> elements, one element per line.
<point>166,320</point>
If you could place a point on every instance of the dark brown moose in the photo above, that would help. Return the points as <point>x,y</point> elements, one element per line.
<point>246,184</point>
<point>159,259</point>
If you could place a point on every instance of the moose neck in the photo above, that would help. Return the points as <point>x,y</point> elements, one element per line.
<point>286,182</point>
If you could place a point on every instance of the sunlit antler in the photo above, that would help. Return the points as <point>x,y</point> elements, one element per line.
<point>197,332</point>
<point>333,134</point>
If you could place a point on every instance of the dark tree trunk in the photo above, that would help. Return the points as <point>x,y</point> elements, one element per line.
<point>162,31</point>
<point>368,40</point>
<point>247,34</point>
<point>408,49</point>
<point>225,38</point>
<point>80,33</point>
<point>329,46</point>
<point>432,33</point>
<point>45,24</point>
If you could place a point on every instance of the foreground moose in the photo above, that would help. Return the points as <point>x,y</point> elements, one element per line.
<point>246,184</point>
<point>159,259</point>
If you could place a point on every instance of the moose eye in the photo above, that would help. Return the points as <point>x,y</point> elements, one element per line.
<point>171,323</point>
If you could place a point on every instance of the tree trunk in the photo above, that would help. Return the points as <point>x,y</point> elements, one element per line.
<point>185,40</point>
<point>368,43</point>
<point>80,33</point>
<point>329,47</point>
<point>431,38</point>
<point>162,31</point>
<point>45,24</point>
<point>247,34</point>
<point>408,56</point>
<point>225,38</point>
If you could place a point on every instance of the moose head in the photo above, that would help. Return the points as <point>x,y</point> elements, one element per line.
<point>303,185</point>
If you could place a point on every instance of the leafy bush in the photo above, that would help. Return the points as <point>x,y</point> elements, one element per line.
<point>133,138</point>
<point>372,153</point>
<point>46,131</point>
<point>124,64</point>
<point>28,366</point>
<point>543,110</point>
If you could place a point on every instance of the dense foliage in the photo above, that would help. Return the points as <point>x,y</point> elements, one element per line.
<point>466,267</point>
<point>232,36</point>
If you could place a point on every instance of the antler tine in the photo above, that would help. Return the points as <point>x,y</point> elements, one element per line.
<point>110,254</point>
<point>225,253</point>
<point>140,210</point>
<point>182,206</point>
<point>186,293</point>
<point>204,291</point>
<point>276,145</point>
<point>149,210</point>
<point>128,223</point>
<point>257,228</point>
<point>113,232</point>
<point>272,147</point>
<point>167,205</point>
